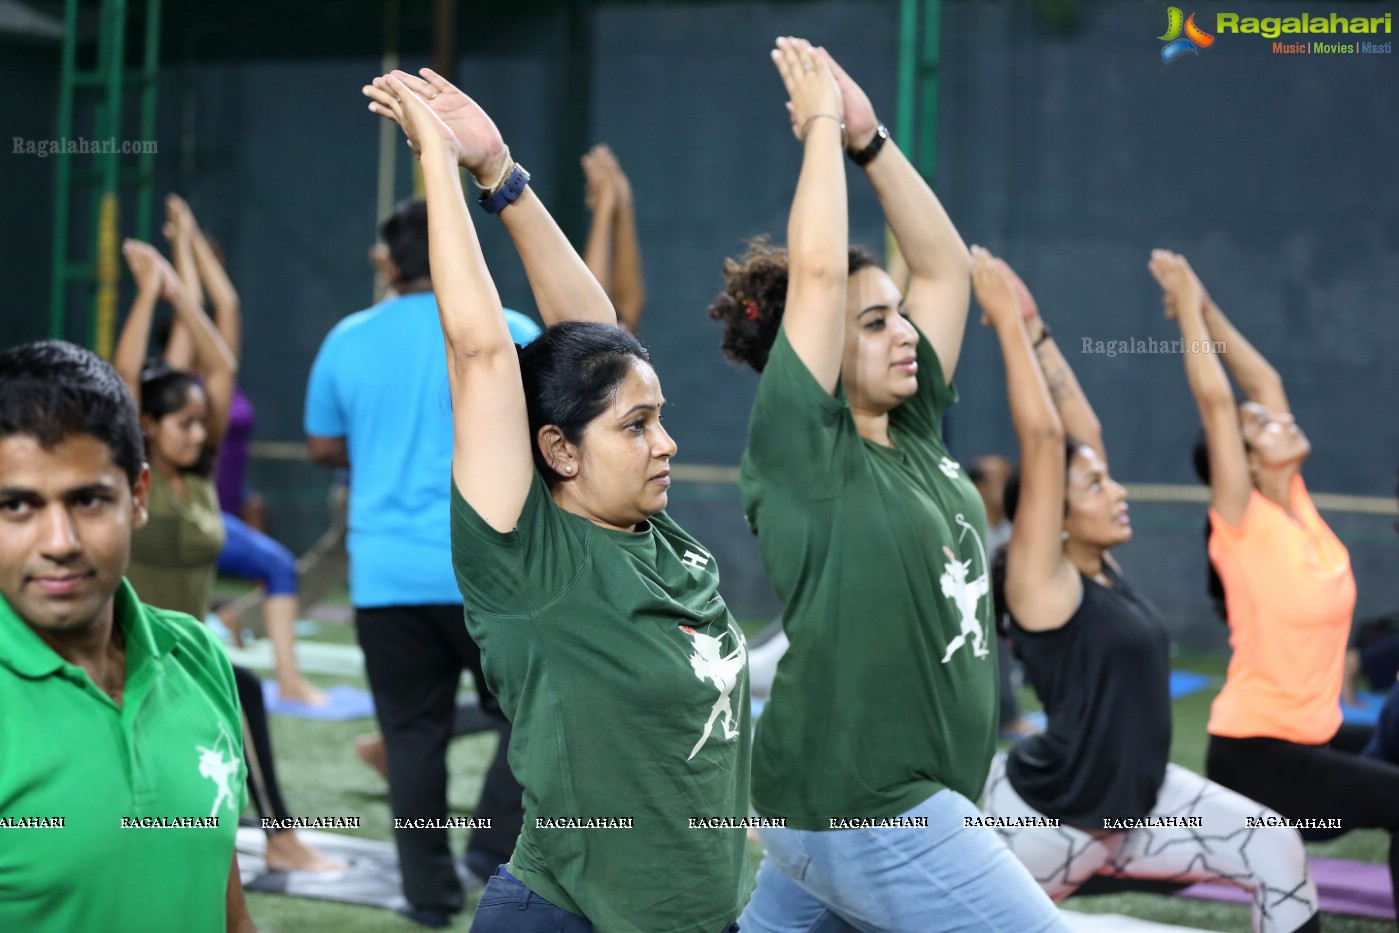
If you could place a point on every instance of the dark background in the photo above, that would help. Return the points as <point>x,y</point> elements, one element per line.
<point>1064,143</point>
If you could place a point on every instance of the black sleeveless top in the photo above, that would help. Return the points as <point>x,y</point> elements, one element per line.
<point>1104,679</point>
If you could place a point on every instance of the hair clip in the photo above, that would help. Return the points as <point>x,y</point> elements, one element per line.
<point>750,309</point>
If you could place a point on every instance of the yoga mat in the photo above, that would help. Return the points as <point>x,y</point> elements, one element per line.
<point>1366,711</point>
<point>346,702</point>
<point>1358,889</point>
<point>313,657</point>
<point>371,880</point>
<point>1118,923</point>
<point>1184,683</point>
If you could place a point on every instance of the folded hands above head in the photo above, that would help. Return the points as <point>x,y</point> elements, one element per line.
<point>433,112</point>
<point>812,91</point>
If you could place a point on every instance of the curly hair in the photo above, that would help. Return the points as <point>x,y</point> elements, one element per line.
<point>755,295</point>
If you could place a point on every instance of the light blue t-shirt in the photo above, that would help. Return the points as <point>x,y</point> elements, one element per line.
<point>380,382</point>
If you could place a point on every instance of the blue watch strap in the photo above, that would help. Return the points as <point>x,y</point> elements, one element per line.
<point>505,195</point>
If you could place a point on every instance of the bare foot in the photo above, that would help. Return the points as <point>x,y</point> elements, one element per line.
<point>301,691</point>
<point>371,750</point>
<point>228,615</point>
<point>286,852</point>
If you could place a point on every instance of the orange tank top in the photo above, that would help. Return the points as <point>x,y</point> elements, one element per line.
<point>1290,594</point>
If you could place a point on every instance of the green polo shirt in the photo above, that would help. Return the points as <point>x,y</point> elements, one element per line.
<point>173,749</point>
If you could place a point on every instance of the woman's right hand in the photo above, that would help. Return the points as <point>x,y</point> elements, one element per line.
<point>811,86</point>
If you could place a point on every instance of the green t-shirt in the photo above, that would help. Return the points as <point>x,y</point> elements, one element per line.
<point>879,559</point>
<point>173,557</point>
<point>173,749</point>
<point>626,679</point>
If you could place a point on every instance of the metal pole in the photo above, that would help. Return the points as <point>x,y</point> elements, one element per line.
<point>58,295</point>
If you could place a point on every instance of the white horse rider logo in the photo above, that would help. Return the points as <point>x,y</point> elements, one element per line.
<point>220,764</point>
<point>965,593</point>
<point>723,670</point>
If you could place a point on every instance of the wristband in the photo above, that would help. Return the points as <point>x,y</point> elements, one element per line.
<point>1044,335</point>
<point>507,193</point>
<point>866,155</point>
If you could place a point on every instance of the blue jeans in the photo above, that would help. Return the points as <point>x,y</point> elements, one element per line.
<point>507,906</point>
<point>946,877</point>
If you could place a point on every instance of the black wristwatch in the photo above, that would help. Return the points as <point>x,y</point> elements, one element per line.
<point>866,155</point>
<point>509,190</point>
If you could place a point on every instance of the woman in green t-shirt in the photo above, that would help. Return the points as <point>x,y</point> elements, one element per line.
<point>599,619</point>
<point>882,717</point>
<point>173,556</point>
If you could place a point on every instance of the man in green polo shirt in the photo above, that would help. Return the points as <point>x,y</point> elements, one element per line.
<point>121,761</point>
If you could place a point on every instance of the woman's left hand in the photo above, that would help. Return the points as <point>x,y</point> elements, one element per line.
<point>860,121</point>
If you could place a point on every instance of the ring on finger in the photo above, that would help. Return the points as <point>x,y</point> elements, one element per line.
<point>808,67</point>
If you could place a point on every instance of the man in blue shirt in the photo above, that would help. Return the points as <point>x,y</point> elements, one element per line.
<point>378,402</point>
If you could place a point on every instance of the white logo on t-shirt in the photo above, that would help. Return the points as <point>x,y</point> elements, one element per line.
<point>722,670</point>
<point>695,560</point>
<point>949,467</point>
<point>214,766</point>
<point>965,594</point>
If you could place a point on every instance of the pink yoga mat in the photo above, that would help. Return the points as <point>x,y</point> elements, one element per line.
<point>1358,889</point>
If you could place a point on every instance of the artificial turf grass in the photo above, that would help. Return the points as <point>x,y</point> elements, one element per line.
<point>321,776</point>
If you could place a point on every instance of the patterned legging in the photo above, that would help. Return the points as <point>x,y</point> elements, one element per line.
<point>1269,862</point>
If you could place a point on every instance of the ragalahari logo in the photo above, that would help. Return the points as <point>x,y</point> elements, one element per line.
<point>1176,44</point>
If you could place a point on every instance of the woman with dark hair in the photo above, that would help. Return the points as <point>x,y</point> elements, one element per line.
<point>1275,728</point>
<point>173,556</point>
<point>600,622</point>
<point>873,536</point>
<point>1098,656</point>
<point>248,552</point>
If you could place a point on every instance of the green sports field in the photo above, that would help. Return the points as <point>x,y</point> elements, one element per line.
<point>322,777</point>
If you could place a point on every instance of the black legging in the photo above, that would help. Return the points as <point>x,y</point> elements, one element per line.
<point>257,748</point>
<point>1314,782</point>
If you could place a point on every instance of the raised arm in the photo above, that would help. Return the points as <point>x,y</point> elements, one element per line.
<point>135,338</point>
<point>491,461</point>
<point>1251,370</point>
<point>1230,483</point>
<point>216,361</point>
<point>223,297</point>
<point>564,288</point>
<point>628,287</point>
<point>601,199</point>
<point>939,287</point>
<point>818,238</point>
<point>179,231</point>
<point>1042,585</point>
<point>1075,411</point>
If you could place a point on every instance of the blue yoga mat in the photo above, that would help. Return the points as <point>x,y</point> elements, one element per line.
<point>346,702</point>
<point>1366,711</point>
<point>1184,683</point>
